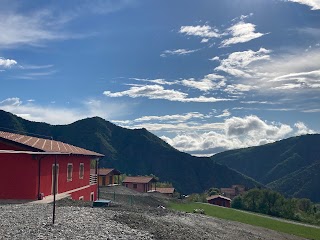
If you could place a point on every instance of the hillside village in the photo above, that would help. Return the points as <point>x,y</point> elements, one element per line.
<point>70,177</point>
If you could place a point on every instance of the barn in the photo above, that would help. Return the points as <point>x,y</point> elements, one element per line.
<point>219,200</point>
<point>28,167</point>
<point>139,183</point>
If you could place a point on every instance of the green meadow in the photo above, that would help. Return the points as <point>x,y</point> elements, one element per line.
<point>252,219</point>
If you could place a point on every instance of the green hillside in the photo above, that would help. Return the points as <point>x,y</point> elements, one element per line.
<point>288,166</point>
<point>135,152</point>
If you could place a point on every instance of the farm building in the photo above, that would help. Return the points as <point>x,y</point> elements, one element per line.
<point>140,184</point>
<point>169,191</point>
<point>219,200</point>
<point>30,166</point>
<point>107,176</point>
<point>232,192</point>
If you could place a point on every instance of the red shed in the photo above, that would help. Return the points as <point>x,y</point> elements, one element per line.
<point>219,200</point>
<point>140,184</point>
<point>28,164</point>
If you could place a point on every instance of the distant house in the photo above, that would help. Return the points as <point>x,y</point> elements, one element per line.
<point>219,200</point>
<point>232,192</point>
<point>140,184</point>
<point>107,176</point>
<point>166,191</point>
<point>30,167</point>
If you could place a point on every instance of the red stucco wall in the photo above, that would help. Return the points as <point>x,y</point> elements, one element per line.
<point>18,176</point>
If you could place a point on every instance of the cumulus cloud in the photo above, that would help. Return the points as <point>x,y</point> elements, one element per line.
<point>7,63</point>
<point>158,92</point>
<point>204,32</point>
<point>314,4</point>
<point>234,133</point>
<point>302,129</point>
<point>237,63</point>
<point>177,52</point>
<point>225,113</point>
<point>241,32</point>
<point>209,82</point>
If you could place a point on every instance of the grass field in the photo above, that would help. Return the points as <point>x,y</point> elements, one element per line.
<point>255,220</point>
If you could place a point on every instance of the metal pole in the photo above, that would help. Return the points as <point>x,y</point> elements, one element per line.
<point>97,169</point>
<point>54,190</point>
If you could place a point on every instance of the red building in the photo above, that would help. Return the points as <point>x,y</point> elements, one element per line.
<point>219,200</point>
<point>169,191</point>
<point>28,168</point>
<point>107,176</point>
<point>140,184</point>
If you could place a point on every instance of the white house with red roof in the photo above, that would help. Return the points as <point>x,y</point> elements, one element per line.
<point>30,165</point>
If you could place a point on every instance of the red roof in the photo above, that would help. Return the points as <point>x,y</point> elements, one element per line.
<point>165,190</point>
<point>106,171</point>
<point>45,145</point>
<point>218,196</point>
<point>139,180</point>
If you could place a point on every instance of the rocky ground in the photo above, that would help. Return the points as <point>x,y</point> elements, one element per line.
<point>141,220</point>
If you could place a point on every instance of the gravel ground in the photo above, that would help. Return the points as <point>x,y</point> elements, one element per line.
<point>33,221</point>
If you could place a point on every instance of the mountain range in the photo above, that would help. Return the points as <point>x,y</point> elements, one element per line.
<point>290,166</point>
<point>135,152</point>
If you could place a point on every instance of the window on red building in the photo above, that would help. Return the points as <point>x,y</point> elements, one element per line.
<point>134,185</point>
<point>81,171</point>
<point>69,172</point>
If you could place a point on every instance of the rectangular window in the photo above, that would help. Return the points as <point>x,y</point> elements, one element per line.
<point>69,172</point>
<point>134,185</point>
<point>81,170</point>
<point>92,196</point>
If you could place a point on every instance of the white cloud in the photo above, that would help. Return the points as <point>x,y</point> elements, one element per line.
<point>18,29</point>
<point>158,92</point>
<point>225,113</point>
<point>241,32</point>
<point>234,133</point>
<point>302,129</point>
<point>237,63</point>
<point>7,63</point>
<point>174,117</point>
<point>314,4</point>
<point>61,115</point>
<point>177,52</point>
<point>209,82</point>
<point>159,81</point>
<point>204,31</point>
<point>239,88</point>
<point>216,58</point>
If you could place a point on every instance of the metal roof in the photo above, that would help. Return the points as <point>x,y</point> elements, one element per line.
<point>165,190</point>
<point>45,145</point>
<point>218,196</point>
<point>139,180</point>
<point>106,171</point>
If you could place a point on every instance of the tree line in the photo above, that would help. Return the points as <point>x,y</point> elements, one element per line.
<point>272,203</point>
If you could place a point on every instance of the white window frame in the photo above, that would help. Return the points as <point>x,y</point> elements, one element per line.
<point>69,178</point>
<point>81,177</point>
<point>81,198</point>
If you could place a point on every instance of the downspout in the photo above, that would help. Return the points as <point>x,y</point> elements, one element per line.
<point>97,172</point>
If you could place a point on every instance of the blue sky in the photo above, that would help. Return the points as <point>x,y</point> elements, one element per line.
<point>205,76</point>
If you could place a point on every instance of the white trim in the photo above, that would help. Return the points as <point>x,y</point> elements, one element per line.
<point>81,164</point>
<point>81,198</point>
<point>69,179</point>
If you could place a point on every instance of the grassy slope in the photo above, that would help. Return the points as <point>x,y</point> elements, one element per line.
<point>248,218</point>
